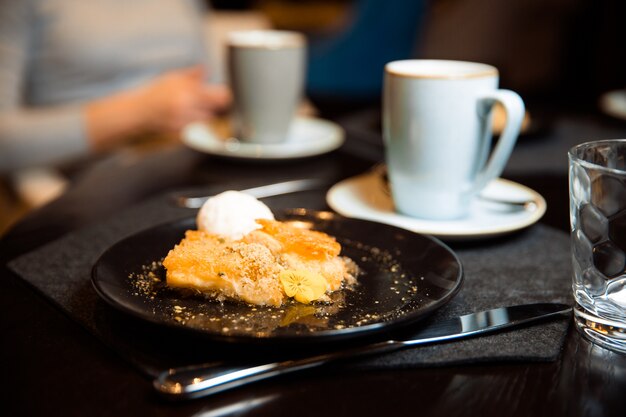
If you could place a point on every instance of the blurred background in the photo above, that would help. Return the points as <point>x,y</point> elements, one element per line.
<point>560,55</point>
<point>553,52</point>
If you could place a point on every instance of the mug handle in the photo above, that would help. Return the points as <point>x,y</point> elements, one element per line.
<point>514,109</point>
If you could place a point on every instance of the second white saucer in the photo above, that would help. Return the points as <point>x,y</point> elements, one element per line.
<point>613,103</point>
<point>307,137</point>
<point>364,197</point>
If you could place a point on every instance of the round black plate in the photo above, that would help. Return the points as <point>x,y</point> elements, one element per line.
<point>404,276</point>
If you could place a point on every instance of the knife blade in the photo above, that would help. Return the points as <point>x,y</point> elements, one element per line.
<point>203,380</point>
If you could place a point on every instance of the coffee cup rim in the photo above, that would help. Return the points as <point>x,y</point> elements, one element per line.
<point>266,39</point>
<point>425,69</point>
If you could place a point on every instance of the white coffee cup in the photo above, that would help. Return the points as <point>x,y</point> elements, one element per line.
<point>437,134</point>
<point>266,70</point>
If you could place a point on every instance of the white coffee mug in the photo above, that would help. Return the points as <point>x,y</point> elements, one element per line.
<point>266,69</point>
<point>437,134</point>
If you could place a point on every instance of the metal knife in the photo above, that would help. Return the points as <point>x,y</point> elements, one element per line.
<point>202,380</point>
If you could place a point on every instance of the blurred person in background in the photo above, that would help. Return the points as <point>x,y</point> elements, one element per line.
<point>82,78</point>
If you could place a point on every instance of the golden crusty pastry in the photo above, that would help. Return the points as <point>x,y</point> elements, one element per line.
<point>248,269</point>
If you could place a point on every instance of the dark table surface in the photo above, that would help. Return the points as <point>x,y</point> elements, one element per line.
<point>52,366</point>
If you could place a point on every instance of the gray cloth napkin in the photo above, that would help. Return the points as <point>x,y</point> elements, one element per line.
<point>530,266</point>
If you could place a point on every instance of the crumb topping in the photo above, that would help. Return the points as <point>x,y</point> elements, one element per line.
<point>253,269</point>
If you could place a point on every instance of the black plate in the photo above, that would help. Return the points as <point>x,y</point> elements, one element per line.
<point>404,276</point>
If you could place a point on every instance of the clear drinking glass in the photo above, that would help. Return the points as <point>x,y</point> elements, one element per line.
<point>597,189</point>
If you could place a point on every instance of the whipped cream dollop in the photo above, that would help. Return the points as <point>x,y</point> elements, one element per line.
<point>232,214</point>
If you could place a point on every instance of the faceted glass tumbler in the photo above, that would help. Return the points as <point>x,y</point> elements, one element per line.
<point>597,190</point>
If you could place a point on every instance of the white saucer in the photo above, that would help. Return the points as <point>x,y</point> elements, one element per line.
<point>365,197</point>
<point>307,137</point>
<point>613,103</point>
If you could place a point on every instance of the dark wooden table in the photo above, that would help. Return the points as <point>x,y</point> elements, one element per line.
<point>52,366</point>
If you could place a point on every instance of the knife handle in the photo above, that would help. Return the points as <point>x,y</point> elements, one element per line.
<point>208,379</point>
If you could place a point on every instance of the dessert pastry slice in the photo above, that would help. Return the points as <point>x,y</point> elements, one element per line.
<point>264,267</point>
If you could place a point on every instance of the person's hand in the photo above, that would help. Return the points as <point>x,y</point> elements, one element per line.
<point>180,97</point>
<point>165,105</point>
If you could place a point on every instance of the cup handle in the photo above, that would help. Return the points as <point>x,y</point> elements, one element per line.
<point>514,109</point>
